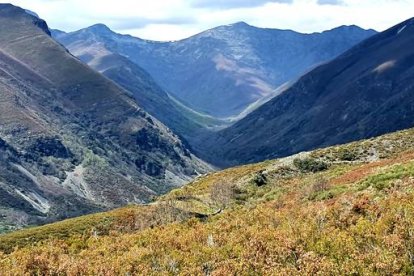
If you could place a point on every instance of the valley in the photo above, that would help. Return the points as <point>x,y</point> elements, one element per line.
<point>223,73</point>
<point>365,92</point>
<point>238,150</point>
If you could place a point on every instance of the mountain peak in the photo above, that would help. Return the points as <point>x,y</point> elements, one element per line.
<point>4,6</point>
<point>32,13</point>
<point>100,29</point>
<point>9,10</point>
<point>240,24</point>
<point>12,12</point>
<point>349,28</point>
<point>353,26</point>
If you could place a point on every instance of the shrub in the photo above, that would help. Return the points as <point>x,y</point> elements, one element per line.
<point>347,155</point>
<point>260,179</point>
<point>310,165</point>
<point>319,190</point>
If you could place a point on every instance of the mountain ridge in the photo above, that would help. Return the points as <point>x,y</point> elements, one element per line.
<point>72,141</point>
<point>339,101</point>
<point>236,61</point>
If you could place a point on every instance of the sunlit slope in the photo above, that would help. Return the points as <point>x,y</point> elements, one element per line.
<point>64,128</point>
<point>342,210</point>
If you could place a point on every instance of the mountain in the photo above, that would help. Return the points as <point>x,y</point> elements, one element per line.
<point>226,71</point>
<point>344,210</point>
<point>134,79</point>
<point>365,92</point>
<point>71,140</point>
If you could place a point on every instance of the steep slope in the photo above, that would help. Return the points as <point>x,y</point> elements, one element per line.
<point>72,141</point>
<point>341,210</point>
<point>365,92</point>
<point>131,77</point>
<point>225,70</point>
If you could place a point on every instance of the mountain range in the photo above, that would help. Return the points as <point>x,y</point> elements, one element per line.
<point>76,137</point>
<point>225,72</point>
<point>148,94</point>
<point>93,120</point>
<point>365,92</point>
<point>71,140</point>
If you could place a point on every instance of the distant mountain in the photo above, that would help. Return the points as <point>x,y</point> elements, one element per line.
<point>56,33</point>
<point>367,91</point>
<point>133,78</point>
<point>225,70</point>
<point>72,141</point>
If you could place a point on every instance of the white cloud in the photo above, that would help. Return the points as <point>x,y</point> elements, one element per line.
<point>176,19</point>
<point>331,2</point>
<point>231,4</point>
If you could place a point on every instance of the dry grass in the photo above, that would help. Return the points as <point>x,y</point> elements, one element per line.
<point>354,218</point>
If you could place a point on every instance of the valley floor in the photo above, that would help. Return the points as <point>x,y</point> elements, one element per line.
<point>337,211</point>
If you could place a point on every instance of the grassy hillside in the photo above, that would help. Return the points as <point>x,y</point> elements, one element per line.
<point>72,142</point>
<point>342,210</point>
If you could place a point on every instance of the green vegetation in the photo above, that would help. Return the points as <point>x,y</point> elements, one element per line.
<point>347,155</point>
<point>260,179</point>
<point>280,217</point>
<point>310,165</point>
<point>388,178</point>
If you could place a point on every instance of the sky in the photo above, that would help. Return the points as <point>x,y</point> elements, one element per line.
<point>166,20</point>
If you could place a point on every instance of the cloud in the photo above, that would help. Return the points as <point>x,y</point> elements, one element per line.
<point>129,23</point>
<point>178,19</point>
<point>233,4</point>
<point>331,2</point>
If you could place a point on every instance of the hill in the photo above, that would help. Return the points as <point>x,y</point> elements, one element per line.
<point>366,92</point>
<point>72,141</point>
<point>341,210</point>
<point>226,71</point>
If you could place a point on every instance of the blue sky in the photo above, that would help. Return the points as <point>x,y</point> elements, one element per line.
<point>177,19</point>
